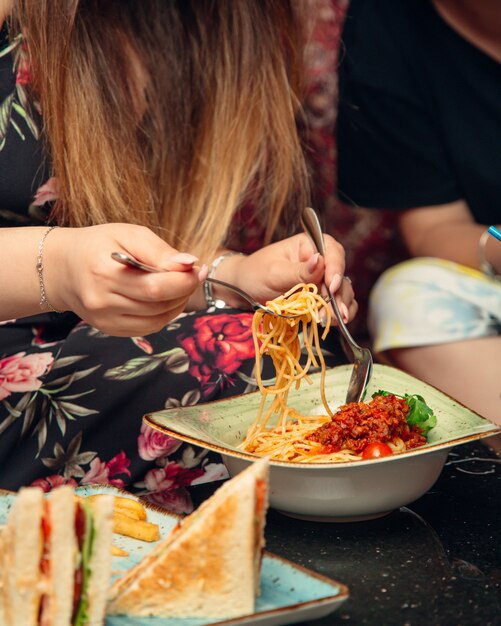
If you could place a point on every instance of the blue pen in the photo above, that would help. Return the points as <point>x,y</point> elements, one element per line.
<point>495,232</point>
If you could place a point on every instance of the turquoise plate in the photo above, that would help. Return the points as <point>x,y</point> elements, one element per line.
<point>289,593</point>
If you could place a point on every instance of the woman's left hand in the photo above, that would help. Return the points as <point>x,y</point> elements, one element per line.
<point>278,267</point>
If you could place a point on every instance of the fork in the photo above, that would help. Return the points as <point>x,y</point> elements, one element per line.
<point>125,259</point>
<point>361,357</point>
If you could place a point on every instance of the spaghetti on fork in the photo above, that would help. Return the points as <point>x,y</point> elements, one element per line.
<point>279,338</point>
<point>329,438</point>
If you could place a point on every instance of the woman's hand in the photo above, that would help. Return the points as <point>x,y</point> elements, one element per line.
<point>81,276</point>
<point>278,267</point>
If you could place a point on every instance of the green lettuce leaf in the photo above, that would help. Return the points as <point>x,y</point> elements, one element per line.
<point>81,616</point>
<point>420,414</point>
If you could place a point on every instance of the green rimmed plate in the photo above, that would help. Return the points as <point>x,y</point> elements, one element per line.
<point>341,491</point>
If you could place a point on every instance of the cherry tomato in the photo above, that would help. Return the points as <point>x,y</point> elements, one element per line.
<point>376,450</point>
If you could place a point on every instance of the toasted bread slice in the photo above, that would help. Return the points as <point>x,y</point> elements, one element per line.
<point>63,554</point>
<point>100,561</point>
<point>209,565</point>
<point>40,558</point>
<point>21,555</point>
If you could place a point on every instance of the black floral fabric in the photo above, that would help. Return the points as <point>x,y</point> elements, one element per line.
<point>72,399</point>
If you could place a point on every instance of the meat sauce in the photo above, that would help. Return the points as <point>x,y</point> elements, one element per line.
<point>358,424</point>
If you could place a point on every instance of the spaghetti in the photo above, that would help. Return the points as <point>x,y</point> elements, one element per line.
<point>279,338</point>
<point>330,438</point>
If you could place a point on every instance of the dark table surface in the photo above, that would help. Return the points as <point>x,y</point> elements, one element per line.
<point>436,562</point>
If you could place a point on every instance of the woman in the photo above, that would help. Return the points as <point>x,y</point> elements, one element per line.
<point>148,125</point>
<point>420,109</point>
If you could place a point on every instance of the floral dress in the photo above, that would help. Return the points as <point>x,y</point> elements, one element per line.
<point>72,399</point>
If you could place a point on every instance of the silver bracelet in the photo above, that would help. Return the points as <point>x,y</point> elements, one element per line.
<point>485,266</point>
<point>209,296</point>
<point>45,305</point>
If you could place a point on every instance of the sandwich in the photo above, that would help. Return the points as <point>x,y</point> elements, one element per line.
<point>55,559</point>
<point>209,565</point>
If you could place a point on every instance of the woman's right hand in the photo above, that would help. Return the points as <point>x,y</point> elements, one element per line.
<point>81,276</point>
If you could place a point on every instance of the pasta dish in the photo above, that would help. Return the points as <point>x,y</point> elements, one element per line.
<point>352,433</point>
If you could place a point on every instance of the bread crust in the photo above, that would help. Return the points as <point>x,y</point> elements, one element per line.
<point>100,562</point>
<point>63,551</point>
<point>22,584</point>
<point>207,567</point>
<point>23,543</point>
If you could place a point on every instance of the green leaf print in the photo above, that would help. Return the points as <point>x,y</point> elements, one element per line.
<point>22,109</point>
<point>67,360</point>
<point>12,46</point>
<point>60,384</point>
<point>133,368</point>
<point>61,420</point>
<point>17,410</point>
<point>71,459</point>
<point>5,112</point>
<point>29,415</point>
<point>72,411</point>
<point>175,360</point>
<point>8,421</point>
<point>17,103</point>
<point>17,129</point>
<point>41,431</point>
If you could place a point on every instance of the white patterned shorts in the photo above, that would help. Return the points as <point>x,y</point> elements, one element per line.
<point>428,301</point>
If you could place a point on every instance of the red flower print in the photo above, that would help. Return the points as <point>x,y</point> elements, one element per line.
<point>119,464</point>
<point>175,500</point>
<point>21,372</point>
<point>218,346</point>
<point>98,473</point>
<point>23,76</point>
<point>167,487</point>
<point>48,192</point>
<point>51,482</point>
<point>172,476</point>
<point>103,473</point>
<point>212,472</point>
<point>144,344</point>
<point>153,444</point>
<point>38,339</point>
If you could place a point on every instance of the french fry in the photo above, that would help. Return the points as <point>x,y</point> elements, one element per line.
<point>93,497</point>
<point>116,551</point>
<point>127,506</point>
<point>129,519</point>
<point>137,529</point>
<point>130,507</point>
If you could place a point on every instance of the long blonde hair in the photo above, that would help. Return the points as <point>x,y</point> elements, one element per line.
<point>169,113</point>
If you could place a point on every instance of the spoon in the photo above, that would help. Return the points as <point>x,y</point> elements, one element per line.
<point>361,357</point>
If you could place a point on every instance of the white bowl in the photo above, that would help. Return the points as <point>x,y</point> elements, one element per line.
<point>333,491</point>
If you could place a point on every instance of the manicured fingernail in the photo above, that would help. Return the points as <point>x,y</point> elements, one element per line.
<point>184,258</point>
<point>323,318</point>
<point>313,262</point>
<point>344,312</point>
<point>335,283</point>
<point>203,273</point>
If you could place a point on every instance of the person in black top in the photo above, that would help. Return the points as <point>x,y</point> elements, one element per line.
<point>418,131</point>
